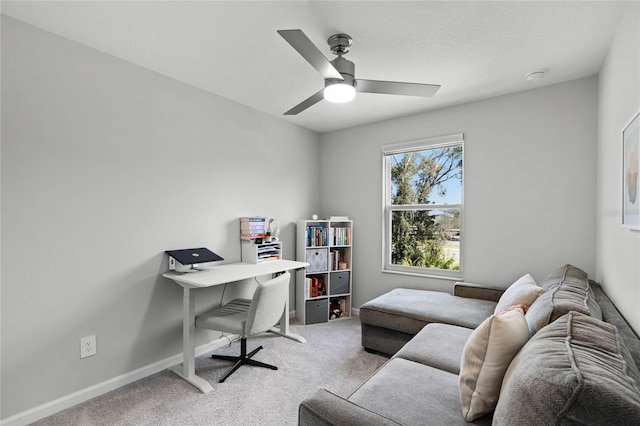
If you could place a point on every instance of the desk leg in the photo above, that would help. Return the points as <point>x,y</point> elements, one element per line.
<point>188,370</point>
<point>284,326</point>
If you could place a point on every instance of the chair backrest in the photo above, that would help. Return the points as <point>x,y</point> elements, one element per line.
<point>267,305</point>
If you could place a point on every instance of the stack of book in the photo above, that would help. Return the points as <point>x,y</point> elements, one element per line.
<point>315,286</point>
<point>252,227</point>
<point>316,236</point>
<point>335,260</point>
<point>340,236</point>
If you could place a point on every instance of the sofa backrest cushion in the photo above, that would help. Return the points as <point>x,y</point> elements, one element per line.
<point>486,357</point>
<point>566,289</point>
<point>576,370</point>
<point>522,292</point>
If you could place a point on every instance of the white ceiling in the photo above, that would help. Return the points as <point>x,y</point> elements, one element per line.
<point>475,50</point>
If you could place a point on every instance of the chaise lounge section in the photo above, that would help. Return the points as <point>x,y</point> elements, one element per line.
<point>580,365</point>
<point>391,320</point>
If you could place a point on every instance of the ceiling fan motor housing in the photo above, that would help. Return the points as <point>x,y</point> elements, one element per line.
<point>347,70</point>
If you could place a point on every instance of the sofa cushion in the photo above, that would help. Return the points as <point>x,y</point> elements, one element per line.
<point>411,393</point>
<point>522,292</point>
<point>409,310</point>
<point>576,370</point>
<point>437,345</point>
<point>566,289</point>
<point>486,357</point>
<point>326,408</point>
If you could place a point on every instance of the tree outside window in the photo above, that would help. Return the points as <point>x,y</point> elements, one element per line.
<point>423,207</point>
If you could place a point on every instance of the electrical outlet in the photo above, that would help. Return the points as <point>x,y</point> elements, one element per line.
<point>88,346</point>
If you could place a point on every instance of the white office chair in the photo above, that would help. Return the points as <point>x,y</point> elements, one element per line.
<point>249,317</point>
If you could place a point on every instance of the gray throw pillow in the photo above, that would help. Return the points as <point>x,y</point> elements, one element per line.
<point>576,370</point>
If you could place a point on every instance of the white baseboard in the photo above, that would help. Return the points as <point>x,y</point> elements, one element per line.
<point>67,401</point>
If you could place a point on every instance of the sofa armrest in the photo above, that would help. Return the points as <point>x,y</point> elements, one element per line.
<point>326,408</point>
<point>477,291</point>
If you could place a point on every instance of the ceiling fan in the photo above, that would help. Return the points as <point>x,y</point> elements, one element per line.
<point>340,84</point>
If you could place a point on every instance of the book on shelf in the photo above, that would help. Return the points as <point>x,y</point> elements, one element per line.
<point>252,227</point>
<point>336,218</point>
<point>317,236</point>
<point>335,260</point>
<point>253,219</point>
<point>340,236</point>
<point>251,237</point>
<point>315,287</point>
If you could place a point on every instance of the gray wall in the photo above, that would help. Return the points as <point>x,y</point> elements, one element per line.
<point>618,248</point>
<point>529,184</point>
<point>104,166</point>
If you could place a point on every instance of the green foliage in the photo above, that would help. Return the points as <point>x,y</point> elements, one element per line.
<point>430,255</point>
<point>417,236</point>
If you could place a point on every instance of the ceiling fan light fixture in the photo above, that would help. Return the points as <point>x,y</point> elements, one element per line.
<point>339,93</point>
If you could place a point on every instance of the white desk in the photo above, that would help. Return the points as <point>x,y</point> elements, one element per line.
<point>216,275</point>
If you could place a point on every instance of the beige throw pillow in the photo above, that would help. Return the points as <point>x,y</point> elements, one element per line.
<point>522,292</point>
<point>486,357</point>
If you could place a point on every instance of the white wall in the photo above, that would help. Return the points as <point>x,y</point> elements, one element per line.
<point>104,166</point>
<point>529,176</point>
<point>618,248</point>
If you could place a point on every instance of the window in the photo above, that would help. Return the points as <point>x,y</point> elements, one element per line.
<point>423,207</point>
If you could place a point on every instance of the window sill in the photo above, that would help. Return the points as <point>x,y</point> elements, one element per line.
<point>448,277</point>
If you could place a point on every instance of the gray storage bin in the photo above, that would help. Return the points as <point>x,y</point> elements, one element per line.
<point>316,311</point>
<point>339,283</point>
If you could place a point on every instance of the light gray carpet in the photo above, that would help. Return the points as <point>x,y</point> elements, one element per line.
<point>332,358</point>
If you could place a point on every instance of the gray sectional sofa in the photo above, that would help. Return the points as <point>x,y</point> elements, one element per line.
<point>578,363</point>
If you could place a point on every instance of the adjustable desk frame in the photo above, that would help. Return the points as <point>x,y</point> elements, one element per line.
<point>216,275</point>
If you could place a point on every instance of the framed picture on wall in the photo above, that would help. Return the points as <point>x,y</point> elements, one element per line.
<point>630,180</point>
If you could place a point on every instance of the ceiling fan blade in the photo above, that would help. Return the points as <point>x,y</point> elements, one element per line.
<point>310,101</point>
<point>305,47</point>
<point>396,88</point>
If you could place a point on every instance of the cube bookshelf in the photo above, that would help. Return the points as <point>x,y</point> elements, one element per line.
<point>323,289</point>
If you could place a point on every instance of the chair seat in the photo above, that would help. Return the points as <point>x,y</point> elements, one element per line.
<point>230,317</point>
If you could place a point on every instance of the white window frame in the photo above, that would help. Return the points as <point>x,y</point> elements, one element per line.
<point>387,208</point>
